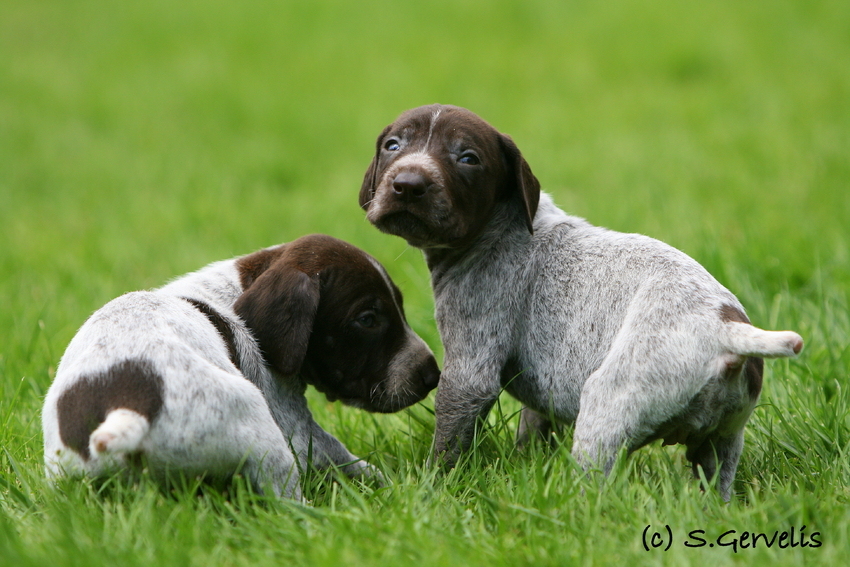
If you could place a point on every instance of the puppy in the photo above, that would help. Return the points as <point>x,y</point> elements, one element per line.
<point>206,375</point>
<point>629,339</point>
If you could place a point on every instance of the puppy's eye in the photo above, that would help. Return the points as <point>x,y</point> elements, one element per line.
<point>392,145</point>
<point>367,320</point>
<point>469,158</point>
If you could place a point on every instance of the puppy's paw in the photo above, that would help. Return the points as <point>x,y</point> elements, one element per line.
<point>366,471</point>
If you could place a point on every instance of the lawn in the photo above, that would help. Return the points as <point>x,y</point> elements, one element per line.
<point>141,140</point>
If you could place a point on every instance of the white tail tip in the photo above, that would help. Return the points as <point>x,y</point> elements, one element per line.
<point>121,432</point>
<point>744,339</point>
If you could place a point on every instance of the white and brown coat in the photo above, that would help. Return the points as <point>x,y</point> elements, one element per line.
<point>207,375</point>
<point>624,336</point>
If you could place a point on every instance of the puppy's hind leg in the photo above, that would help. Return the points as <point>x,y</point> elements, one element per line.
<point>725,451</point>
<point>596,443</point>
<point>221,425</point>
<point>621,404</point>
<point>269,462</point>
<point>274,471</point>
<point>609,416</point>
<point>597,439</point>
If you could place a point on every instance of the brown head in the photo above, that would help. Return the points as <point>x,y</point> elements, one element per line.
<point>324,309</point>
<point>438,174</point>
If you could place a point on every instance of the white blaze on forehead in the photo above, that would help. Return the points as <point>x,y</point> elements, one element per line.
<point>434,117</point>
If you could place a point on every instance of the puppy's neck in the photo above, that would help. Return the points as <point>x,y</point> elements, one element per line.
<point>216,284</point>
<point>506,225</point>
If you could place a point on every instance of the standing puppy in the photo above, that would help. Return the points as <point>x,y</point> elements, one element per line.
<point>206,376</point>
<point>621,334</point>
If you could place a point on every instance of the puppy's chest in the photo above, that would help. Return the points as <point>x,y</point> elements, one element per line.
<point>479,302</point>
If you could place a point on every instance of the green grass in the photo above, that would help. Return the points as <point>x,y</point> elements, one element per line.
<point>141,140</point>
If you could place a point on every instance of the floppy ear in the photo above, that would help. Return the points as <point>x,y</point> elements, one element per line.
<point>370,180</point>
<point>279,307</point>
<point>524,181</point>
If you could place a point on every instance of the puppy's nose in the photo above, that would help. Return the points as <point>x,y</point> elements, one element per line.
<point>430,375</point>
<point>409,185</point>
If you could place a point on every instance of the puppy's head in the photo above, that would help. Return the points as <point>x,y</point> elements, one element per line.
<point>326,310</point>
<point>437,175</point>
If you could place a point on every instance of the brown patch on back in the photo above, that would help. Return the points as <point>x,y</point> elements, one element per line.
<point>729,314</point>
<point>222,326</point>
<point>131,384</point>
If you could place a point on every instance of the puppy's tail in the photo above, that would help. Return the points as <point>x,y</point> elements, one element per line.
<point>747,340</point>
<point>121,432</point>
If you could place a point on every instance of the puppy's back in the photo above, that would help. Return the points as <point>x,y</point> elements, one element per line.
<point>110,386</point>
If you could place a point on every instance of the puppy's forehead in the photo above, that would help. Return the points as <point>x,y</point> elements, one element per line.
<point>356,280</point>
<point>312,255</point>
<point>418,119</point>
<point>451,124</point>
<point>363,274</point>
<point>318,252</point>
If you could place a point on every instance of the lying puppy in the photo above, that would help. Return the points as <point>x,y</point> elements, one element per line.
<point>206,376</point>
<point>622,335</point>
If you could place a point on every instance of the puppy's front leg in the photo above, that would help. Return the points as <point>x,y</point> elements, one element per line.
<point>459,404</point>
<point>329,451</point>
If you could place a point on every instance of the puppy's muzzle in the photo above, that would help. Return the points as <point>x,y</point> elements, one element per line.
<point>429,375</point>
<point>410,186</point>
